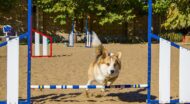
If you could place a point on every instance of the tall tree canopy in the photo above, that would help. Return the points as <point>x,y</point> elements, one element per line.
<point>105,11</point>
<point>178,15</point>
<point>177,12</point>
<point>6,5</point>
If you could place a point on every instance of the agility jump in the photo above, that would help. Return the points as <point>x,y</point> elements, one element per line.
<point>13,76</point>
<point>45,38</point>
<point>164,68</point>
<point>71,36</point>
<point>9,32</point>
<point>88,36</point>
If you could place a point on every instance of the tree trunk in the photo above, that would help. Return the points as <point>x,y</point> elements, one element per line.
<point>37,18</point>
<point>75,30</point>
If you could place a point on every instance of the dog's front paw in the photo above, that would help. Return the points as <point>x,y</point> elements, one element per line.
<point>87,94</point>
<point>99,95</point>
<point>103,89</point>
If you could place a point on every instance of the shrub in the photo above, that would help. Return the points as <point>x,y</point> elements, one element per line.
<point>174,37</point>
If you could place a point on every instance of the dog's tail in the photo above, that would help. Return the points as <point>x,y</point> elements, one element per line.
<point>101,51</point>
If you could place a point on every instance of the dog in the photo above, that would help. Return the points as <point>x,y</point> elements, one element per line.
<point>106,67</point>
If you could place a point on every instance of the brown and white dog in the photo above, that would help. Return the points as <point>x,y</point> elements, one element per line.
<point>106,67</point>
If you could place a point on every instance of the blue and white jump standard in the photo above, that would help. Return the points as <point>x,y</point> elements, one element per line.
<point>13,63</point>
<point>88,35</point>
<point>12,66</point>
<point>88,43</point>
<point>164,68</point>
<point>71,36</point>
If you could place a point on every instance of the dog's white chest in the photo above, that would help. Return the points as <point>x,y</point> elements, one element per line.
<point>100,78</point>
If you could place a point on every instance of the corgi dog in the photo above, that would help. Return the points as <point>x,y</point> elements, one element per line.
<point>106,67</point>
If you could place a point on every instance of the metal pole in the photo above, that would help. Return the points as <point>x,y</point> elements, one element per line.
<point>29,50</point>
<point>6,36</point>
<point>149,49</point>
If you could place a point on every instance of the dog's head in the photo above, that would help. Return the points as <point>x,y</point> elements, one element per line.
<point>109,63</point>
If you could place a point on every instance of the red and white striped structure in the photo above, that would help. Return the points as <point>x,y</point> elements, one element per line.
<point>45,48</point>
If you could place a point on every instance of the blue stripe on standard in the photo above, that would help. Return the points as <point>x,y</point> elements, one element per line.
<point>136,86</point>
<point>107,86</point>
<point>52,86</point>
<point>75,86</point>
<point>63,87</point>
<point>127,86</point>
<point>41,86</point>
<point>117,86</point>
<point>91,86</point>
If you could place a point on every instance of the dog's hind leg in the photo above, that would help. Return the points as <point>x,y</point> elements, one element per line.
<point>88,83</point>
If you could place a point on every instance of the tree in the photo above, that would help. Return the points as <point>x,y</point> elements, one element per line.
<point>60,8</point>
<point>160,7</point>
<point>178,15</point>
<point>105,11</point>
<point>6,5</point>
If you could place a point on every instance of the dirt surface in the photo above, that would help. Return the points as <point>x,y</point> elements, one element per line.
<point>69,65</point>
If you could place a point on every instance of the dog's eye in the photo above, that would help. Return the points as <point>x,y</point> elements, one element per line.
<point>115,65</point>
<point>108,64</point>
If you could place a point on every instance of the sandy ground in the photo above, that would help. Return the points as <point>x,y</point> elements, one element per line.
<point>70,65</point>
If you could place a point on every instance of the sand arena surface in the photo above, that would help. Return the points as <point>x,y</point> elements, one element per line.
<point>70,65</point>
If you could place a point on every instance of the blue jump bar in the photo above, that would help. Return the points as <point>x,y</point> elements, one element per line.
<point>158,38</point>
<point>86,86</point>
<point>20,37</point>
<point>157,101</point>
<point>20,102</point>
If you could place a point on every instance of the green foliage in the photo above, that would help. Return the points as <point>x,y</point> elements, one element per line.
<point>175,37</point>
<point>160,6</point>
<point>110,18</point>
<point>6,5</point>
<point>117,11</point>
<point>178,16</point>
<point>57,38</point>
<point>104,11</point>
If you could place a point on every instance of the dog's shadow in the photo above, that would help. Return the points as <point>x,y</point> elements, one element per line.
<point>132,96</point>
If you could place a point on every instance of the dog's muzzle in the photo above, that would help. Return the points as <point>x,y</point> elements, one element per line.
<point>112,71</point>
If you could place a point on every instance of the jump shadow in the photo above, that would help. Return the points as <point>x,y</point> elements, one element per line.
<point>62,55</point>
<point>3,56</point>
<point>55,97</point>
<point>133,96</point>
<point>41,98</point>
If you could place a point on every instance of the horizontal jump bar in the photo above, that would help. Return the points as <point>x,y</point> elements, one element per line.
<point>157,101</point>
<point>20,37</point>
<point>19,102</point>
<point>87,86</point>
<point>158,38</point>
<point>8,36</point>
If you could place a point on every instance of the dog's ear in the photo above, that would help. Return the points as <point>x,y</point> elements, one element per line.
<point>101,51</point>
<point>118,55</point>
<point>104,53</point>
